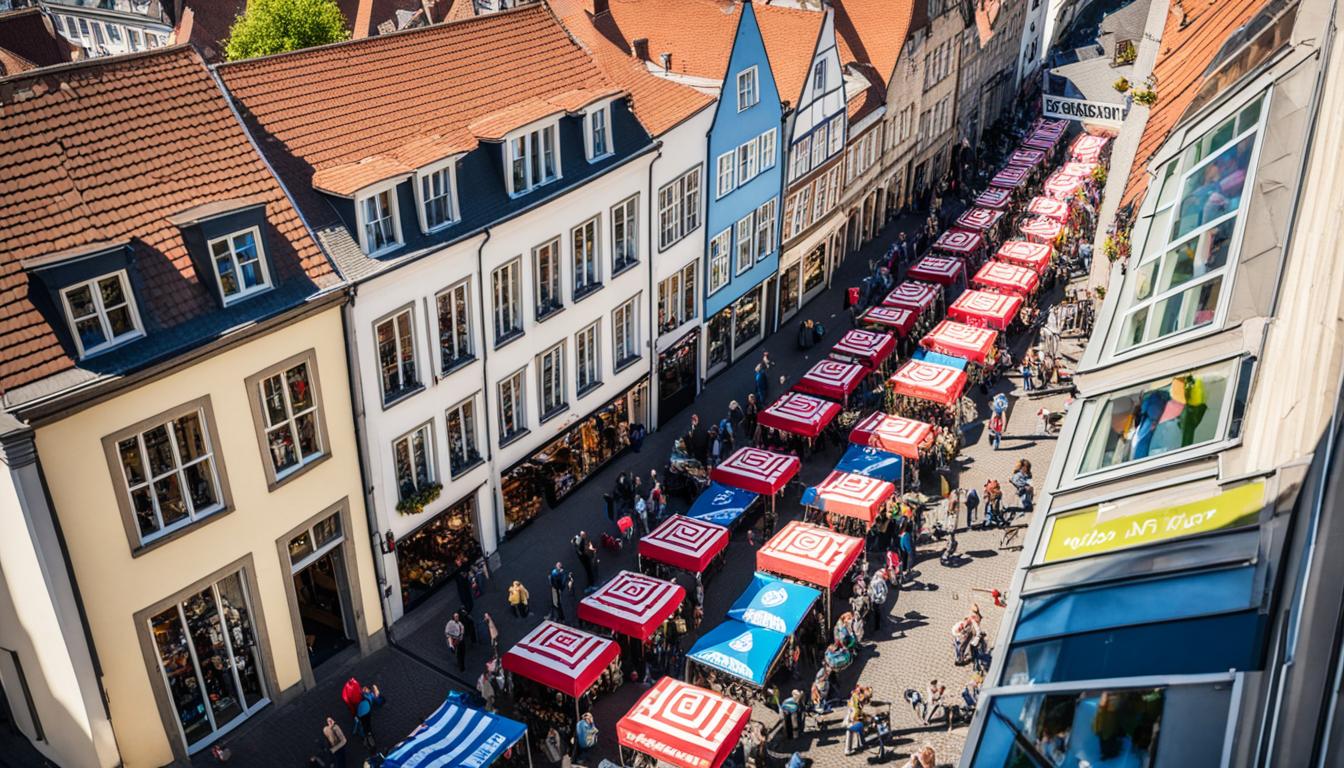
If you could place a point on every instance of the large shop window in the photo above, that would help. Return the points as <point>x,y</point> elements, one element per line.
<point>170,474</point>
<point>789,298</point>
<point>433,554</point>
<point>1074,728</point>
<point>814,269</point>
<point>1183,267</point>
<point>208,654</point>
<point>748,318</point>
<point>553,472</point>
<point>1170,414</point>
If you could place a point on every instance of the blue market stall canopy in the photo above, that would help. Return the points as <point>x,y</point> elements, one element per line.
<point>772,603</point>
<point>871,462</point>
<point>938,358</point>
<point>722,505</point>
<point>457,737</point>
<point>740,650</point>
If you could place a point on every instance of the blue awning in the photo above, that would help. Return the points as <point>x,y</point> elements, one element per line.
<point>871,462</point>
<point>457,737</point>
<point>772,603</point>
<point>721,504</point>
<point>938,358</point>
<point>738,649</point>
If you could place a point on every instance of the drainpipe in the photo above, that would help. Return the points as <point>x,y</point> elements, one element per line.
<point>485,387</point>
<point>654,330</point>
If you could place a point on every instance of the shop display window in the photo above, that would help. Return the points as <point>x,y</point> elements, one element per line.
<point>789,299</point>
<point>748,311</point>
<point>437,551</point>
<point>1117,728</point>
<point>718,333</point>
<point>814,269</point>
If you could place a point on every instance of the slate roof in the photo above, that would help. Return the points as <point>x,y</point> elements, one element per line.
<point>108,150</point>
<point>28,41</point>
<point>1179,71</point>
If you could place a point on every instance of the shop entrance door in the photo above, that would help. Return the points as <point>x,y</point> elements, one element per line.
<point>321,588</point>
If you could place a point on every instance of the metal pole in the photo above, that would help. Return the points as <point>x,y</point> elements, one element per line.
<point>527,740</point>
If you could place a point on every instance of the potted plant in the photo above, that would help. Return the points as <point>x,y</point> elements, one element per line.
<point>1147,97</point>
<point>1121,85</point>
<point>1125,53</point>
<point>413,503</point>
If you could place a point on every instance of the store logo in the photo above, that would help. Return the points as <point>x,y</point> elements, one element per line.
<point>763,619</point>
<point>773,598</point>
<point>742,643</point>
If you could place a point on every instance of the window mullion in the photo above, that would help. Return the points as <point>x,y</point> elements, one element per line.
<point>181,470</point>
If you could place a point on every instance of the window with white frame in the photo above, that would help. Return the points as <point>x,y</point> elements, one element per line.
<point>546,274</point>
<point>719,259</point>
<point>454,313</point>
<point>820,198</point>
<point>767,142</point>
<point>688,303</point>
<point>818,79</point>
<point>747,161</point>
<point>101,312</point>
<point>290,419</point>
<point>745,231</point>
<point>464,450</point>
<point>508,301</point>
<point>624,334</point>
<point>802,213</point>
<point>1188,253</point>
<point>438,201</point>
<point>599,133</point>
<point>766,219</point>
<point>395,337</point>
<point>790,208</point>
<point>669,303</point>
<point>379,230</point>
<point>551,380</point>
<point>625,234</point>
<point>725,179</point>
<point>413,461</point>
<point>533,159</point>
<point>583,239</point>
<point>836,134</point>
<point>800,162</point>
<point>747,88</point>
<point>169,473</point>
<point>240,264</point>
<point>819,146</point>
<point>587,361</point>
<point>512,407</point>
<point>678,208</point>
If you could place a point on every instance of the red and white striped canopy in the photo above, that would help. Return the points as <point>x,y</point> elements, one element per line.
<point>853,495</point>
<point>1062,186</point>
<point>832,378</point>
<point>685,542</point>
<point>929,381</point>
<point>1010,177</point>
<point>937,269</point>
<point>869,348</point>
<point>1002,276</point>
<point>755,470</point>
<point>912,294</point>
<point>1043,142</point>
<point>987,308</point>
<point>799,414</point>
<point>959,241</point>
<point>632,604</point>
<point>1079,169</point>
<point>960,340</point>
<point>1027,158</point>
<point>1047,127</point>
<point>1088,148</point>
<point>1039,229</point>
<point>1023,253</point>
<point>809,553</point>
<point>899,318</point>
<point>561,658</point>
<point>978,219</point>
<point>993,198</point>
<point>1049,208</point>
<point>894,434</point>
<point>683,725</point>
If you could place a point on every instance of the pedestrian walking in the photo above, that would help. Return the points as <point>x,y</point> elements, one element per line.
<point>877,598</point>
<point>492,632</point>
<point>736,417</point>
<point>487,690</point>
<point>715,446</point>
<point>463,583</point>
<point>749,416</point>
<point>587,553</point>
<point>791,710</point>
<point>995,429</point>
<point>335,739</point>
<point>560,581</point>
<point>518,598</point>
<point>1021,480</point>
<point>762,383</point>
<point>455,635</point>
<point>585,733</point>
<point>1026,375</point>
<point>972,501</point>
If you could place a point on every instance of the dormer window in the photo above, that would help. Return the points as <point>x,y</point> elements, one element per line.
<point>101,312</point>
<point>379,226</point>
<point>747,92</point>
<point>819,78</point>
<point>437,191</point>
<point>598,124</point>
<point>240,265</point>
<point>533,160</point>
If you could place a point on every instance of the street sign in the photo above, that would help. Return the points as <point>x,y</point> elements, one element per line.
<point>1083,111</point>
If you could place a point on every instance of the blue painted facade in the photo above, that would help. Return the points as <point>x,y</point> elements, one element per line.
<point>730,130</point>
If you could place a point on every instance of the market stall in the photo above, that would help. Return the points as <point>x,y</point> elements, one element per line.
<point>1007,278</point>
<point>559,658</point>
<point>755,470</point>
<point>970,342</point>
<point>1062,186</point>
<point>1026,158</point>
<point>832,379</point>
<point>810,554</point>
<point>1088,148</point>
<point>1074,168</point>
<point>722,505</point>
<point>925,299</point>
<point>684,543</point>
<point>995,198</point>
<point>772,603</point>
<point>800,414</point>
<point>843,495</point>
<point>901,436</point>
<point>867,348</point>
<point>929,391</point>
<point>983,220</point>
<point>457,736</point>
<point>938,269</point>
<point>1050,208</point>
<point>632,604</point>
<point>682,726</point>
<point>747,653</point>
<point>898,319</point>
<point>873,462</point>
<point>986,308</point>
<point>1042,230</point>
<point>1011,178</point>
<point>969,246</point>
<point>1033,256</point>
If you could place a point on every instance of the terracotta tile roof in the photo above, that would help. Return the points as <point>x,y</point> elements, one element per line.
<point>986,16</point>
<point>107,150</point>
<point>790,38</point>
<point>28,41</point>
<point>870,98</point>
<point>698,33</point>
<point>1185,53</point>
<point>875,30</point>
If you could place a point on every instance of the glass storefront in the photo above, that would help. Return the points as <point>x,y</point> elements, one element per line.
<point>747,320</point>
<point>719,334</point>
<point>789,297</point>
<point>678,375</point>
<point>432,554</point>
<point>814,269</point>
<point>209,658</point>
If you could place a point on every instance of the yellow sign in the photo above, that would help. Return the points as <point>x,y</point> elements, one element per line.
<point>1082,533</point>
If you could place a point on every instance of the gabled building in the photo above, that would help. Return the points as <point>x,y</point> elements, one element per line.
<point>110,27</point>
<point>28,40</point>
<point>483,183</point>
<point>182,527</point>
<point>987,73</point>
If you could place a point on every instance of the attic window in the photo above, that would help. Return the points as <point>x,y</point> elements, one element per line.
<point>101,313</point>
<point>597,125</point>
<point>379,225</point>
<point>532,159</point>
<point>239,264</point>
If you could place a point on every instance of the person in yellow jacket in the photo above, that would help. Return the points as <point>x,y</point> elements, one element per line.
<point>518,599</point>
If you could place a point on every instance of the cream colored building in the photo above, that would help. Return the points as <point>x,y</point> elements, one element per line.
<point>182,526</point>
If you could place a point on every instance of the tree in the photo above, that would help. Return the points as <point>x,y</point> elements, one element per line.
<point>276,26</point>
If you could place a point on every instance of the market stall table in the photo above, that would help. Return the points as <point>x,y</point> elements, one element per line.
<point>772,603</point>
<point>868,348</point>
<point>810,554</point>
<point>833,379</point>
<point>962,244</point>
<point>873,462</point>
<point>896,434</point>
<point>1039,229</point>
<point>898,319</point>
<point>682,725</point>
<point>1088,148</point>
<point>457,736</point>
<point>1050,208</point>
<point>1002,276</point>
<point>799,414</point>
<point>561,658</point>
<point>746,652</point>
<point>632,604</point>
<point>721,505</point>
<point>1024,253</point>
<point>937,269</point>
<point>995,198</point>
<point>987,308</point>
<point>927,381</point>
<point>684,543</point>
<point>856,496</point>
<point>756,470</point>
<point>971,342</point>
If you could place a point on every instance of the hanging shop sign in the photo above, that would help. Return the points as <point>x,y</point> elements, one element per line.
<point>1082,110</point>
<point>1084,533</point>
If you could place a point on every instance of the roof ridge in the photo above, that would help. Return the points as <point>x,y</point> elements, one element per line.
<point>96,62</point>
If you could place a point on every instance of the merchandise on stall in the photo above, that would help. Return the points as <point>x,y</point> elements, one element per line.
<point>683,726</point>
<point>632,604</point>
<point>856,496</point>
<point>810,554</point>
<point>1004,277</point>
<point>868,348</point>
<point>937,269</point>
<point>987,308</point>
<point>960,340</point>
<point>899,319</point>
<point>746,652</point>
<point>799,414</point>
<point>721,505</point>
<point>873,462</point>
<point>832,379</point>
<point>431,555</point>
<point>1062,186</point>
<point>927,381</point>
<point>899,435</point>
<point>772,603</point>
<point>1088,148</point>
<point>561,658</point>
<point>457,736</point>
<point>756,470</point>
<point>1010,178</point>
<point>684,543</point>
<point>1075,168</point>
<point>995,198</point>
<point>1033,256</point>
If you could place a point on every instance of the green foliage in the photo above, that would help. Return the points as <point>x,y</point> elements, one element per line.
<point>1146,97</point>
<point>415,503</point>
<point>276,26</point>
<point>1121,85</point>
<point>1099,175</point>
<point>1125,53</point>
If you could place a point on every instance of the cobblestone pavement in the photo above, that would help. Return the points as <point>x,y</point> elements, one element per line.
<point>913,647</point>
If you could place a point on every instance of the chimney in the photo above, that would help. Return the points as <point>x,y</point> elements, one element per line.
<point>601,6</point>
<point>667,62</point>
<point>639,48</point>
